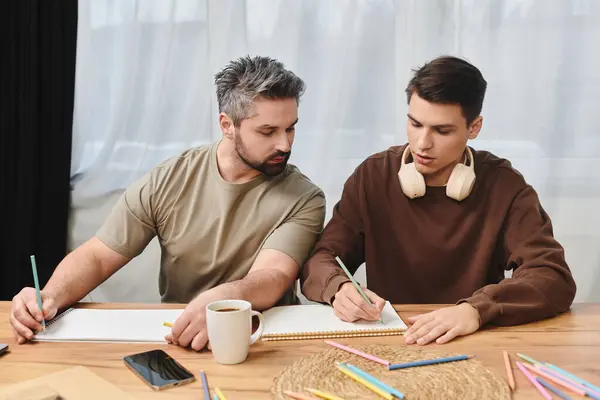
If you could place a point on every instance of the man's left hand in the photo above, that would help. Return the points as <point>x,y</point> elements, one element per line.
<point>190,328</point>
<point>443,325</point>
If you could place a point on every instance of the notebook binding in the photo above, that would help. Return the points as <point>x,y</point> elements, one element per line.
<point>332,334</point>
<point>59,316</point>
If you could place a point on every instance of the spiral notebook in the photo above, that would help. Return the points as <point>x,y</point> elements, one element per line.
<point>318,321</point>
<point>97,325</point>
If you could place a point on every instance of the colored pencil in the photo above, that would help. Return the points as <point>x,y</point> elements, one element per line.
<point>557,380</point>
<point>166,323</point>
<point>528,359</point>
<point>323,395</point>
<point>535,383</point>
<point>582,389</point>
<point>298,396</point>
<point>358,352</point>
<point>427,362</point>
<point>552,388</point>
<point>356,285</point>
<point>592,395</point>
<point>219,394</point>
<point>375,381</point>
<point>205,385</point>
<point>509,372</point>
<point>215,397</point>
<point>382,393</point>
<point>38,293</point>
<point>575,378</point>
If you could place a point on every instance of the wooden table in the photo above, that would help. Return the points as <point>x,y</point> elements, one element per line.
<point>571,341</point>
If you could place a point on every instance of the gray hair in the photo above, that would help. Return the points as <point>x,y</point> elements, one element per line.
<point>243,80</point>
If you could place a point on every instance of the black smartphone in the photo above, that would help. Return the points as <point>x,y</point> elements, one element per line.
<point>158,369</point>
<point>3,348</point>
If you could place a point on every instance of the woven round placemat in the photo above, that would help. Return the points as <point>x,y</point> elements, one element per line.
<point>464,380</point>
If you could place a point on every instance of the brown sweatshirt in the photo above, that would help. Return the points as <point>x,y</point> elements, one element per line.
<point>437,250</point>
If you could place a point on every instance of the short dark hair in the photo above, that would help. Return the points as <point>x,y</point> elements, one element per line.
<point>246,78</point>
<point>450,80</point>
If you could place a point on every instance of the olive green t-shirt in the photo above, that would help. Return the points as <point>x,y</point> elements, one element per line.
<point>210,231</point>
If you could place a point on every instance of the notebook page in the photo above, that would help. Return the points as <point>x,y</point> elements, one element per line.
<point>314,318</point>
<point>81,324</point>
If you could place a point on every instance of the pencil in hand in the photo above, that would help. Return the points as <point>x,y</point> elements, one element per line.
<point>37,290</point>
<point>356,285</point>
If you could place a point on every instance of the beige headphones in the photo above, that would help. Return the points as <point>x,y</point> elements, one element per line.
<point>459,184</point>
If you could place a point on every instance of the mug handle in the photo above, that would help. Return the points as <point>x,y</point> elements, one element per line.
<point>261,326</point>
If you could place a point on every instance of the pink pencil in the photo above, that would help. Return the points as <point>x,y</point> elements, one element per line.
<point>298,396</point>
<point>358,353</point>
<point>535,383</point>
<point>579,387</point>
<point>554,379</point>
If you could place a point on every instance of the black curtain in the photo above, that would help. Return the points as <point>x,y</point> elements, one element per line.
<point>37,80</point>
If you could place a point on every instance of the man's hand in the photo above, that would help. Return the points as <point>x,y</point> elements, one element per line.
<point>349,305</point>
<point>443,325</point>
<point>25,315</point>
<point>190,327</point>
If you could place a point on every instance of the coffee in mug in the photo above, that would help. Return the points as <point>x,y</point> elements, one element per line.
<point>229,326</point>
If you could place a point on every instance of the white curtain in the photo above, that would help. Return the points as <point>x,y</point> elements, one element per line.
<point>144,92</point>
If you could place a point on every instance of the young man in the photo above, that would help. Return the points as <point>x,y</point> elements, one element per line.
<point>234,220</point>
<point>437,222</point>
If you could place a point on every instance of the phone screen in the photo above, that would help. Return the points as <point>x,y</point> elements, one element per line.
<point>158,369</point>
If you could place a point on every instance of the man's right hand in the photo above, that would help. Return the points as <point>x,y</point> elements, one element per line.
<point>25,315</point>
<point>350,306</point>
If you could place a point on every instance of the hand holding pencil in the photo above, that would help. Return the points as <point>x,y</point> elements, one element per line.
<point>353,303</point>
<point>25,314</point>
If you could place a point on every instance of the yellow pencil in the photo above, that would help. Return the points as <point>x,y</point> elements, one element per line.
<point>170,325</point>
<point>220,395</point>
<point>385,394</point>
<point>323,395</point>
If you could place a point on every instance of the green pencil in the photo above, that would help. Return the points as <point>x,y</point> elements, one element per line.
<point>37,291</point>
<point>356,285</point>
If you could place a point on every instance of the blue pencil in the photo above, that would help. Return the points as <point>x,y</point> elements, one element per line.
<point>592,395</point>
<point>575,378</point>
<point>37,290</point>
<point>427,362</point>
<point>205,385</point>
<point>375,381</point>
<point>552,388</point>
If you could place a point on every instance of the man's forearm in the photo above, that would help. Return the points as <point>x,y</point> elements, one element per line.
<point>321,278</point>
<point>261,288</point>
<point>72,280</point>
<point>80,272</point>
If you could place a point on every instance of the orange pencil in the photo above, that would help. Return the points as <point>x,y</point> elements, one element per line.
<point>509,372</point>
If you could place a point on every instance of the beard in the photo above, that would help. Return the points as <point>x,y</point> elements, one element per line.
<point>266,168</point>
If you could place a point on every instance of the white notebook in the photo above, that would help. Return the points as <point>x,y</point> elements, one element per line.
<point>94,325</point>
<point>318,321</point>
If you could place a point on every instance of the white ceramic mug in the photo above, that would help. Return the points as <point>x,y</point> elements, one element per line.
<point>229,325</point>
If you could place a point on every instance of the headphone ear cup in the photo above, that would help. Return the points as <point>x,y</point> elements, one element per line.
<point>460,183</point>
<point>411,181</point>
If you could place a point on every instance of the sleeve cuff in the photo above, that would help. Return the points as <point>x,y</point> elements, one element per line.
<point>331,288</point>
<point>485,305</point>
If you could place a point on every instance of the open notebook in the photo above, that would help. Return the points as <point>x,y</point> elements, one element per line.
<point>318,321</point>
<point>93,325</point>
<point>311,321</point>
